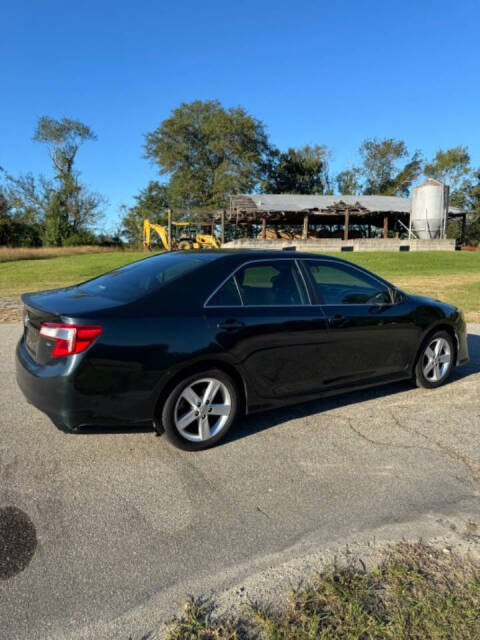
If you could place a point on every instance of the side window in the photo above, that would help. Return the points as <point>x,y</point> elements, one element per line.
<point>226,296</point>
<point>273,283</point>
<point>340,284</point>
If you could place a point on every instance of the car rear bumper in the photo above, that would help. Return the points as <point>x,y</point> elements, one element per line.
<point>54,391</point>
<point>51,393</point>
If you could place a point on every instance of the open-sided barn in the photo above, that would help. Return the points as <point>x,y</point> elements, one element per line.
<point>320,217</point>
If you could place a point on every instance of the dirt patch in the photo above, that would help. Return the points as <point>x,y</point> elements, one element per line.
<point>11,309</point>
<point>443,280</point>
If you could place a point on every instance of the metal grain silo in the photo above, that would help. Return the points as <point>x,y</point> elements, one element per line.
<point>428,217</point>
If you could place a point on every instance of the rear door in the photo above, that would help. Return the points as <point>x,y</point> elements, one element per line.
<point>262,315</point>
<point>369,335</point>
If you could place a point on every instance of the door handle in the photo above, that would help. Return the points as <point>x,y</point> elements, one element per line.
<point>230,324</point>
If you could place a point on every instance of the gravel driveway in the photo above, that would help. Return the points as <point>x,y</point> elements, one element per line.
<point>113,529</point>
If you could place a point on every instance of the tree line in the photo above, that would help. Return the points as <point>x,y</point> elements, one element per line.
<point>204,153</point>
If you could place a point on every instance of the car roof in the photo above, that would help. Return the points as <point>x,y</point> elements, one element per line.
<point>262,253</point>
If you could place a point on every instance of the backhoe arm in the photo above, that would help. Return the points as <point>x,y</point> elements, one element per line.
<point>161,231</point>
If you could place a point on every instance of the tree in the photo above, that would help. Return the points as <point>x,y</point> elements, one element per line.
<point>472,204</point>
<point>380,167</point>
<point>208,152</point>
<point>474,192</point>
<point>349,182</point>
<point>452,167</point>
<point>71,208</point>
<point>16,230</point>
<point>27,196</point>
<point>151,203</point>
<point>296,171</point>
<point>21,201</point>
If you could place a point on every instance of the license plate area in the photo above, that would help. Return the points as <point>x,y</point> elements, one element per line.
<point>32,336</point>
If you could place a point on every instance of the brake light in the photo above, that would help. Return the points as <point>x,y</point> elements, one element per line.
<point>69,338</point>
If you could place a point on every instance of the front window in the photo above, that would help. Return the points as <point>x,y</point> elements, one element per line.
<point>340,284</point>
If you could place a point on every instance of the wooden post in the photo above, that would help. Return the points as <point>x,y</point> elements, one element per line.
<point>264,228</point>
<point>385,226</point>
<point>222,230</point>
<point>464,224</point>
<point>305,227</point>
<point>347,224</point>
<point>169,213</point>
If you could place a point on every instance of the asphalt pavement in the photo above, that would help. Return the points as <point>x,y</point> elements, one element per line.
<point>109,531</point>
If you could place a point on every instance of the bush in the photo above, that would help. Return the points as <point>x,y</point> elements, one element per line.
<point>472,229</point>
<point>80,238</point>
<point>14,233</point>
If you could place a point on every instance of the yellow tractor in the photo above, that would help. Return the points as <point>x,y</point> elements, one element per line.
<point>185,237</point>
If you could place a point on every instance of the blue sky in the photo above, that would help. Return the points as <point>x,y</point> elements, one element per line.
<point>315,72</point>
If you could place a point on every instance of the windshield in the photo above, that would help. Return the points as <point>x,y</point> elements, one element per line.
<point>138,279</point>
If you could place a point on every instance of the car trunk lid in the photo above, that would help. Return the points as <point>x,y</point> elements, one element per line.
<point>57,306</point>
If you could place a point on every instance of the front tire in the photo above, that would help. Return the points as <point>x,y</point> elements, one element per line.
<point>200,410</point>
<point>435,361</point>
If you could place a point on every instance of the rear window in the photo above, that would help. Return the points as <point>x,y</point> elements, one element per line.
<point>133,281</point>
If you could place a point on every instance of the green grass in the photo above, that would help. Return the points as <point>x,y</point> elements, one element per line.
<point>391,265</point>
<point>451,276</point>
<point>447,275</point>
<point>416,593</point>
<point>35,275</point>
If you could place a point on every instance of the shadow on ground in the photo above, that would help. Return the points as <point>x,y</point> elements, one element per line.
<point>260,422</point>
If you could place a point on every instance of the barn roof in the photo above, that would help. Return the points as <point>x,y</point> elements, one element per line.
<point>296,203</point>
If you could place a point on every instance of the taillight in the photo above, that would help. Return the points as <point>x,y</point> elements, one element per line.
<point>69,339</point>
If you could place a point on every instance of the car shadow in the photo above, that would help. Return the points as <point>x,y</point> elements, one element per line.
<point>98,430</point>
<point>258,422</point>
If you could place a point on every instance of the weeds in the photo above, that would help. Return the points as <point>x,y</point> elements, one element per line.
<point>9,254</point>
<point>416,593</point>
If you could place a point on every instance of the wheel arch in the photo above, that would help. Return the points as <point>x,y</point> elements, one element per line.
<point>198,367</point>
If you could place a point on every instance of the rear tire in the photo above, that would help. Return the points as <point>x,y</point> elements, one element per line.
<point>200,410</point>
<point>435,361</point>
<point>184,245</point>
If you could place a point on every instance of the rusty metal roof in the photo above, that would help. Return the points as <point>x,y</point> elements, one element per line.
<point>297,203</point>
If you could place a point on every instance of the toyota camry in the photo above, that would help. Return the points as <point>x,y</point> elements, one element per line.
<point>188,341</point>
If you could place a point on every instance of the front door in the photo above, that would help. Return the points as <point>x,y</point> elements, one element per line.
<point>369,335</point>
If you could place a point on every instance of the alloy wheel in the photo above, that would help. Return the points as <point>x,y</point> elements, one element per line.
<point>436,359</point>
<point>202,409</point>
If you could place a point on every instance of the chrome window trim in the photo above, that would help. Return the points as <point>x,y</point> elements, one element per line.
<point>242,304</point>
<point>258,306</point>
<point>355,304</point>
<point>307,288</point>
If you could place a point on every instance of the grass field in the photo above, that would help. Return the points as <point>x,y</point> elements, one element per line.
<point>450,276</point>
<point>35,275</point>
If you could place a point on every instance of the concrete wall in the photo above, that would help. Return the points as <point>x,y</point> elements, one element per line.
<point>333,244</point>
